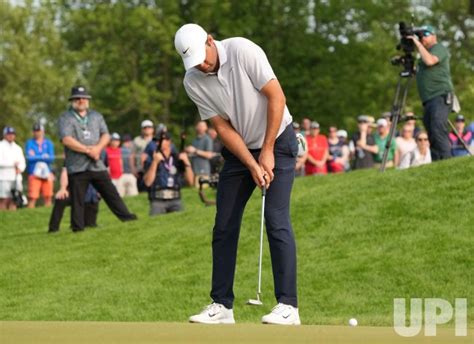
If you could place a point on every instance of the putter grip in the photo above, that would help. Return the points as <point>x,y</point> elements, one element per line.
<point>264,191</point>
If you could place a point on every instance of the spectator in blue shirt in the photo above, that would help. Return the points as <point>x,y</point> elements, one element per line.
<point>39,153</point>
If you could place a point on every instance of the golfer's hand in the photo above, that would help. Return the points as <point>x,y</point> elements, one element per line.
<point>267,163</point>
<point>258,175</point>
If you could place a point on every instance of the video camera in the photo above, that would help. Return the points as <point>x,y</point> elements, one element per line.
<point>407,61</point>
<point>212,182</point>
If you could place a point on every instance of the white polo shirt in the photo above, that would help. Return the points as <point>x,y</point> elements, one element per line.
<point>234,91</point>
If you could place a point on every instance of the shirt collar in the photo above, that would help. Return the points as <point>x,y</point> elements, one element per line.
<point>221,52</point>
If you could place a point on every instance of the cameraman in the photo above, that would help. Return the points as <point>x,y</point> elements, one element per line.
<point>433,79</point>
<point>164,177</point>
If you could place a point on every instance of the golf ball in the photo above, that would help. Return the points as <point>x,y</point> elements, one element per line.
<point>353,322</point>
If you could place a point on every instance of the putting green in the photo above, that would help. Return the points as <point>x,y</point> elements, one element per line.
<point>19,332</point>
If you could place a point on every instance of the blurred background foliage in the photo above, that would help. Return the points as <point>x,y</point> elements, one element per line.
<point>331,56</point>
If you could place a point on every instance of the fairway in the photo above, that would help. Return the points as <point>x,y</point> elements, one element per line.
<point>16,332</point>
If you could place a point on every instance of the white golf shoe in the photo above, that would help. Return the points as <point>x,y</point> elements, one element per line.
<point>215,313</point>
<point>282,314</point>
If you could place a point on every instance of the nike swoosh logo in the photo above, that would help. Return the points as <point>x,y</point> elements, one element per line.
<point>184,52</point>
<point>287,316</point>
<point>212,315</point>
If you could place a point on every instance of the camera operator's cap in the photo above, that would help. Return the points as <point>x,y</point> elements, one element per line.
<point>341,133</point>
<point>79,92</point>
<point>189,42</point>
<point>382,122</point>
<point>115,136</point>
<point>9,130</point>
<point>147,123</point>
<point>460,118</point>
<point>314,125</point>
<point>428,28</point>
<point>38,127</point>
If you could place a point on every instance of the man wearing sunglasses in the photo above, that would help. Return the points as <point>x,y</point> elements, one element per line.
<point>433,79</point>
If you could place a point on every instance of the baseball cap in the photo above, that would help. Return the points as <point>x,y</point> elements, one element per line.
<point>460,118</point>
<point>115,136</point>
<point>341,133</point>
<point>382,122</point>
<point>8,130</point>
<point>38,127</point>
<point>428,29</point>
<point>314,125</point>
<point>363,118</point>
<point>296,125</point>
<point>147,123</point>
<point>189,42</point>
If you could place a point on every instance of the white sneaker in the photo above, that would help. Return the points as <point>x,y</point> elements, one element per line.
<point>215,313</point>
<point>282,314</point>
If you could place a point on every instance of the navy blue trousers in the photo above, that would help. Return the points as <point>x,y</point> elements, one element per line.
<point>435,119</point>
<point>233,191</point>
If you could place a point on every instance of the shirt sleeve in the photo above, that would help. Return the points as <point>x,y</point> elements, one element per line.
<point>65,129</point>
<point>255,62</point>
<point>103,126</point>
<point>440,52</point>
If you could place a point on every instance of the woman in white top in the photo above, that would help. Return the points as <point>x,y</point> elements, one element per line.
<point>421,155</point>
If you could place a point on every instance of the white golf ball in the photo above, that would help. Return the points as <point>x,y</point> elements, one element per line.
<point>353,322</point>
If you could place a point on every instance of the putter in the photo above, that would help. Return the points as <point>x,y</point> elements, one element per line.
<point>258,301</point>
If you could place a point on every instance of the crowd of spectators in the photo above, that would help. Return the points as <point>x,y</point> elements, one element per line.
<point>129,161</point>
<point>332,151</point>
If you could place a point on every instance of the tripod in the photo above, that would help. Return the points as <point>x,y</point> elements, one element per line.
<point>397,109</point>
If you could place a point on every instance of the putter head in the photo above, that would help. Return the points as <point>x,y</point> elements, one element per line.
<point>253,302</point>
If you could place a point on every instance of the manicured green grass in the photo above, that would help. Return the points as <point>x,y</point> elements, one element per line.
<point>363,239</point>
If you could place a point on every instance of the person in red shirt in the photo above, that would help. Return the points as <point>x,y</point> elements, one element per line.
<point>318,151</point>
<point>114,161</point>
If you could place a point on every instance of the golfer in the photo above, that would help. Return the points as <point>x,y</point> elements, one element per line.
<point>233,85</point>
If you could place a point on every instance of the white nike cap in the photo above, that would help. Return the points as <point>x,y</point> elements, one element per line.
<point>189,42</point>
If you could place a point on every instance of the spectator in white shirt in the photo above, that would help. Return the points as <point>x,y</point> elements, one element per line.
<point>12,164</point>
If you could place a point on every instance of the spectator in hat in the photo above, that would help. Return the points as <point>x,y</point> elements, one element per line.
<point>433,79</point>
<point>362,145</point>
<point>114,162</point>
<point>129,181</point>
<point>406,141</point>
<point>421,155</point>
<point>318,151</point>
<point>342,135</point>
<point>138,151</point>
<point>12,164</point>
<point>84,134</point>
<point>296,127</point>
<point>338,152</point>
<point>457,147</point>
<point>165,173</point>
<point>381,137</point>
<point>39,152</point>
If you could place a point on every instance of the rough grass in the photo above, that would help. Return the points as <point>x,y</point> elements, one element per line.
<point>363,239</point>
